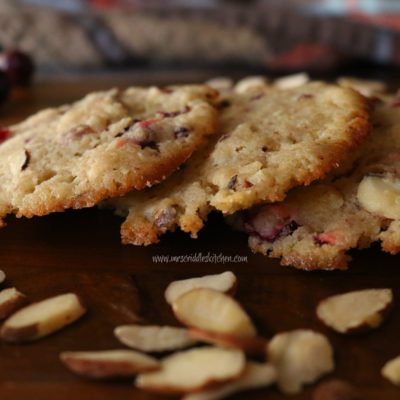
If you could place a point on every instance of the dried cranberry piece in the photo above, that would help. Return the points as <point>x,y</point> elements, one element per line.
<point>173,114</point>
<point>247,184</point>
<point>326,238</point>
<point>270,223</point>
<point>76,132</point>
<point>165,89</point>
<point>147,122</point>
<point>305,96</point>
<point>278,232</point>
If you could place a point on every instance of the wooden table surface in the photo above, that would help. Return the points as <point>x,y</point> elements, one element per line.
<point>80,251</point>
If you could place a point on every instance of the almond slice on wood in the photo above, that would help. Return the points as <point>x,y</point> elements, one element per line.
<point>42,318</point>
<point>300,357</point>
<point>225,282</point>
<point>153,338</point>
<point>211,310</point>
<point>250,345</point>
<point>356,311</point>
<point>194,370</point>
<point>256,375</point>
<point>391,370</point>
<point>2,276</point>
<point>108,363</point>
<point>10,300</point>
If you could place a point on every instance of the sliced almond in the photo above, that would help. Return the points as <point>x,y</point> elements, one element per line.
<point>336,389</point>
<point>251,83</point>
<point>256,375</point>
<point>355,311</point>
<point>391,371</point>
<point>225,282</point>
<point>208,309</point>
<point>220,83</point>
<point>42,318</point>
<point>300,357</point>
<point>194,370</point>
<point>2,276</point>
<point>380,196</point>
<point>250,345</point>
<point>292,81</point>
<point>109,363</point>
<point>10,300</point>
<point>153,338</point>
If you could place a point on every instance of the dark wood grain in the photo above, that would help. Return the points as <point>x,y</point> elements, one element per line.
<point>80,251</point>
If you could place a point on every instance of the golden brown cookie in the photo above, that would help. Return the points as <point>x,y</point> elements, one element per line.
<point>269,140</point>
<point>315,226</point>
<point>103,145</point>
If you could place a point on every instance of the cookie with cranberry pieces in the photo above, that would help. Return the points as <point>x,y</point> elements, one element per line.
<point>356,205</point>
<point>104,145</point>
<point>269,140</point>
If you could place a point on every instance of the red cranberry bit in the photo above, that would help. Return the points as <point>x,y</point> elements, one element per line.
<point>27,159</point>
<point>271,223</point>
<point>305,96</point>
<point>165,89</point>
<point>247,184</point>
<point>18,66</point>
<point>138,135</point>
<point>5,133</point>
<point>232,182</point>
<point>173,114</point>
<point>326,238</point>
<point>181,132</point>
<point>77,132</point>
<point>147,122</point>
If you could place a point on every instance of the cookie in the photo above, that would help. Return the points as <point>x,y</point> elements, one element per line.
<point>315,226</point>
<point>269,140</point>
<point>103,145</point>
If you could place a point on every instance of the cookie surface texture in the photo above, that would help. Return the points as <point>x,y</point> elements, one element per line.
<point>269,140</point>
<point>103,145</point>
<point>315,226</point>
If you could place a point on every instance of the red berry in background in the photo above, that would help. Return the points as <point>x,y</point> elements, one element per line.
<point>18,66</point>
<point>4,87</point>
<point>5,133</point>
